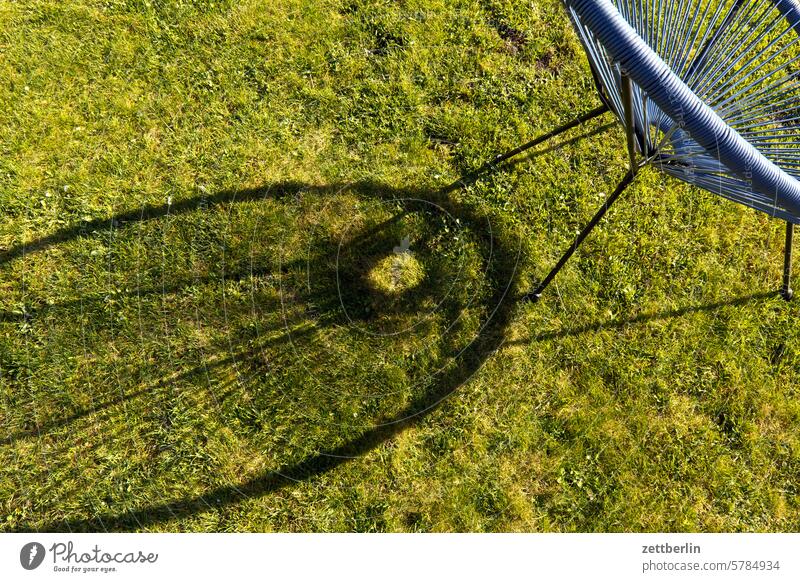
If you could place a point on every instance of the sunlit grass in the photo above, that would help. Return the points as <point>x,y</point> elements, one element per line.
<point>226,259</point>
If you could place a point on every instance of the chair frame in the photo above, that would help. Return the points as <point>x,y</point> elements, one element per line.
<point>633,146</point>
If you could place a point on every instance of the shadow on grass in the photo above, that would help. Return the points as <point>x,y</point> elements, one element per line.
<point>282,191</point>
<point>202,369</point>
<point>645,318</point>
<point>499,254</point>
<point>501,258</point>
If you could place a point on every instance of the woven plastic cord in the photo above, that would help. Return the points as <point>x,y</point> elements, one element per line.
<point>790,10</point>
<point>771,185</point>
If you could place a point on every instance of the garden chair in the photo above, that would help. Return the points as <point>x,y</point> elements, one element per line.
<point>707,91</point>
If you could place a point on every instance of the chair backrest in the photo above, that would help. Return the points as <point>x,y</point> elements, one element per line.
<point>790,9</point>
<point>717,94</point>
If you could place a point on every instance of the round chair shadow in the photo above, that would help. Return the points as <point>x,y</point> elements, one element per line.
<point>378,281</point>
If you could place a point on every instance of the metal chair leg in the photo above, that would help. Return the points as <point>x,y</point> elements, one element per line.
<point>627,97</point>
<point>536,294</point>
<point>596,112</point>
<point>475,174</point>
<point>786,291</point>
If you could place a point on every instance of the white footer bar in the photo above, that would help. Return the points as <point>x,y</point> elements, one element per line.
<point>406,557</point>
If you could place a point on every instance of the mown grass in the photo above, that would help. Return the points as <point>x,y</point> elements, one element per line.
<point>200,202</point>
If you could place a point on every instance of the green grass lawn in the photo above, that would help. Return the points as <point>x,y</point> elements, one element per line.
<point>237,293</point>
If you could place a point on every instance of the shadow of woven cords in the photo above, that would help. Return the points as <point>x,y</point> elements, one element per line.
<point>38,427</point>
<point>500,306</point>
<point>500,260</point>
<point>150,212</point>
<point>53,424</point>
<point>503,264</point>
<point>41,428</point>
<point>284,190</point>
